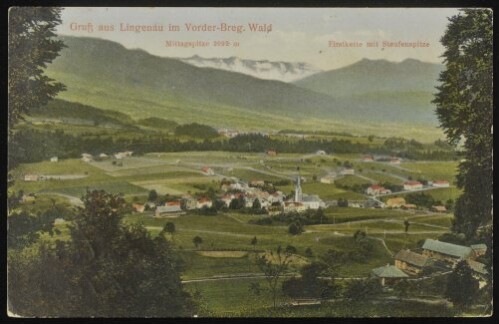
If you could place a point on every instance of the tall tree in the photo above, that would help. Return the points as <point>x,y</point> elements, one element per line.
<point>107,269</point>
<point>464,109</point>
<point>32,45</point>
<point>274,265</point>
<point>462,287</point>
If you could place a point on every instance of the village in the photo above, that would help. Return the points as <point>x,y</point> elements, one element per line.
<point>275,184</point>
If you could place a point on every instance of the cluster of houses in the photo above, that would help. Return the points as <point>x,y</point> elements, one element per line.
<point>433,256</point>
<point>230,133</point>
<point>86,157</point>
<point>400,202</point>
<point>376,190</point>
<point>331,176</point>
<point>274,202</point>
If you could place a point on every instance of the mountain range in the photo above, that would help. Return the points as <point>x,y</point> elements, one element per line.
<point>106,75</point>
<point>262,69</point>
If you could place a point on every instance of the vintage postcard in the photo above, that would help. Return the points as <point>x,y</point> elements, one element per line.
<point>249,162</point>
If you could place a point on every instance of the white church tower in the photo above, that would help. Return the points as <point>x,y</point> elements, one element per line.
<point>298,192</point>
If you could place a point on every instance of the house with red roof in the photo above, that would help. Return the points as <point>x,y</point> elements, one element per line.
<point>204,202</point>
<point>441,184</point>
<point>413,185</point>
<point>207,171</point>
<point>377,190</point>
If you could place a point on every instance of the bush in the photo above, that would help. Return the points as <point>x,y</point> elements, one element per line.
<point>295,228</point>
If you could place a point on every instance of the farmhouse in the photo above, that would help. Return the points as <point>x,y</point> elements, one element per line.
<point>441,184</point>
<point>347,171</point>
<point>54,159</point>
<point>122,155</point>
<point>257,183</point>
<point>328,178</point>
<point>294,206</point>
<point>227,199</point>
<point>389,274</point>
<point>85,157</point>
<point>207,171</point>
<point>411,262</point>
<point>271,152</point>
<point>31,177</point>
<point>377,190</point>
<point>139,208</point>
<point>413,185</point>
<point>367,158</point>
<point>394,161</point>
<point>395,202</point>
<point>150,205</point>
<point>320,152</point>
<point>446,251</point>
<point>439,209</point>
<point>204,202</point>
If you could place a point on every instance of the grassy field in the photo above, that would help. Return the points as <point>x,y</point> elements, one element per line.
<point>226,249</point>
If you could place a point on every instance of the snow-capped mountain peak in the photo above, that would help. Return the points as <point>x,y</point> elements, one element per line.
<point>263,69</point>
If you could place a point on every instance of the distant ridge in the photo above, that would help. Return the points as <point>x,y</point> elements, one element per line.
<point>106,75</point>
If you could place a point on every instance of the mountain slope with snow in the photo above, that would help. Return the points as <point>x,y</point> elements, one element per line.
<point>262,69</point>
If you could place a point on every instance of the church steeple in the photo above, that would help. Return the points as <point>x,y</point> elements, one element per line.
<point>298,192</point>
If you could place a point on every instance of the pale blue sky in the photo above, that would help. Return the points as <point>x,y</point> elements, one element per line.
<point>298,34</point>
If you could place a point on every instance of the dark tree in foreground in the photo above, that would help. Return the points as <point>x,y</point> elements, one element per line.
<point>462,287</point>
<point>274,265</point>
<point>32,45</point>
<point>107,269</point>
<point>317,281</point>
<point>464,109</point>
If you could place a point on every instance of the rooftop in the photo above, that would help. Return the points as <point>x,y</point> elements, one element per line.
<point>447,248</point>
<point>389,271</point>
<point>477,267</point>
<point>412,258</point>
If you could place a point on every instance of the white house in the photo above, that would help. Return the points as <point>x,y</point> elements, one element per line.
<point>207,171</point>
<point>441,184</point>
<point>31,177</point>
<point>347,171</point>
<point>413,185</point>
<point>394,161</point>
<point>204,202</point>
<point>85,157</point>
<point>54,159</point>
<point>320,152</point>
<point>294,206</point>
<point>329,179</point>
